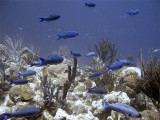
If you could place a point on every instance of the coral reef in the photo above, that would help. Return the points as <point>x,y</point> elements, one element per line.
<point>60,90</point>
<point>150,78</point>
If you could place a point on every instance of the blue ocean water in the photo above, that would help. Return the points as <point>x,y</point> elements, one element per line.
<point>108,20</point>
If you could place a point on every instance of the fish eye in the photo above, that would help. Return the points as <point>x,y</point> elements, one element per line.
<point>139,115</point>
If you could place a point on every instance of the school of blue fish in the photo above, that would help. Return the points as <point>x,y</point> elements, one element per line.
<point>54,59</point>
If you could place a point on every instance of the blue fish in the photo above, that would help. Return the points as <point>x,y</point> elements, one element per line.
<point>126,62</point>
<point>115,65</point>
<point>90,4</point>
<point>23,112</point>
<point>123,108</point>
<point>96,91</point>
<point>50,18</point>
<point>136,12</point>
<point>90,54</point>
<point>36,63</point>
<point>69,34</point>
<point>20,81</point>
<point>95,74</point>
<point>27,73</point>
<point>75,53</point>
<point>132,12</point>
<point>52,59</point>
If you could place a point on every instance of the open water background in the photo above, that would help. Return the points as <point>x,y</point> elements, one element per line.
<point>107,20</point>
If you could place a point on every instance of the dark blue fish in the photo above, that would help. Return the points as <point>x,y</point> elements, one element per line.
<point>115,65</point>
<point>27,73</point>
<point>90,4</point>
<point>50,18</point>
<point>132,12</point>
<point>123,108</point>
<point>69,34</point>
<point>23,112</point>
<point>90,54</point>
<point>36,63</point>
<point>75,53</point>
<point>96,91</point>
<point>126,62</point>
<point>20,81</point>
<point>52,59</point>
<point>136,12</point>
<point>95,74</point>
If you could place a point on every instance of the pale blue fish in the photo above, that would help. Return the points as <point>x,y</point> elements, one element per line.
<point>20,81</point>
<point>156,50</point>
<point>95,74</point>
<point>49,18</point>
<point>23,112</point>
<point>90,54</point>
<point>27,73</point>
<point>123,108</point>
<point>69,34</point>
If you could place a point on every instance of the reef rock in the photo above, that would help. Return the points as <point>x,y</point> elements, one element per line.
<point>21,93</point>
<point>58,72</point>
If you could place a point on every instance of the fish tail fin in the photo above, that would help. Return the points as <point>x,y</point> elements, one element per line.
<point>7,115</point>
<point>108,68</point>
<point>59,37</point>
<point>71,52</point>
<point>42,61</point>
<point>87,91</point>
<point>31,65</point>
<point>41,19</point>
<point>105,104</point>
<point>19,74</point>
<point>85,4</point>
<point>11,82</point>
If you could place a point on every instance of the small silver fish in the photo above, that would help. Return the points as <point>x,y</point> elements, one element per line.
<point>90,54</point>
<point>156,50</point>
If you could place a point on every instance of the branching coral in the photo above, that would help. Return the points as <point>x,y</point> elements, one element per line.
<point>71,78</point>
<point>97,64</point>
<point>150,78</point>
<point>47,90</point>
<point>11,48</point>
<point>106,51</point>
<point>2,80</point>
<point>63,51</point>
<point>106,82</point>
